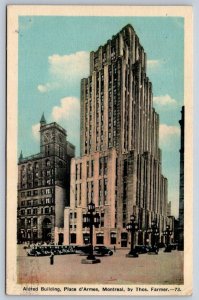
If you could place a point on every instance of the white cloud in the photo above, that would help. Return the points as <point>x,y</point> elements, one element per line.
<point>165,101</point>
<point>69,109</point>
<point>69,67</point>
<point>168,133</point>
<point>35,131</point>
<point>44,88</point>
<point>65,69</point>
<point>153,63</point>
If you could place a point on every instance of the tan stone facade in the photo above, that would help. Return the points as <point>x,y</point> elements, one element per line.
<point>43,187</point>
<point>119,129</point>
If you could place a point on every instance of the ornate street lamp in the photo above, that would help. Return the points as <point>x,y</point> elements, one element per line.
<point>154,231</point>
<point>167,233</point>
<point>132,227</point>
<point>91,219</point>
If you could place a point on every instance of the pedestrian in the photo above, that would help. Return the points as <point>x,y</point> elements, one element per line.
<point>114,248</point>
<point>52,258</point>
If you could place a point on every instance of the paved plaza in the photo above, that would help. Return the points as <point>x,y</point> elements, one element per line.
<point>164,268</point>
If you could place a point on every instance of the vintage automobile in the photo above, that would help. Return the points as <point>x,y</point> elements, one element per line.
<point>102,250</point>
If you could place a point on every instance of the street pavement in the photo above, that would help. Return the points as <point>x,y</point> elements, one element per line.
<point>164,268</point>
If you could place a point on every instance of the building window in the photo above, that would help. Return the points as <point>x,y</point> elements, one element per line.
<point>47,151</point>
<point>47,200</point>
<point>76,191</point>
<point>34,211</point>
<point>87,168</point>
<point>113,238</point>
<point>46,210</point>
<point>29,202</point>
<point>80,194</point>
<point>100,192</point>
<point>105,164</point>
<point>47,162</point>
<point>73,238</point>
<point>48,173</point>
<point>76,171</point>
<point>125,167</point>
<point>22,194</point>
<point>105,190</point>
<point>36,165</point>
<point>22,203</point>
<point>99,238</point>
<point>92,168</point>
<point>35,202</point>
<point>23,212</point>
<point>80,171</point>
<point>71,215</point>
<point>35,192</point>
<point>102,219</point>
<point>101,165</point>
<point>28,221</point>
<point>48,191</point>
<point>28,211</point>
<point>23,222</point>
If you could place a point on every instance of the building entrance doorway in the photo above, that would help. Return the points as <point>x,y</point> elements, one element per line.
<point>124,237</point>
<point>46,230</point>
<point>86,238</point>
<point>61,239</point>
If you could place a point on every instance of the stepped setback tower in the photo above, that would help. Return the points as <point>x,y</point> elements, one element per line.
<point>44,187</point>
<point>120,165</point>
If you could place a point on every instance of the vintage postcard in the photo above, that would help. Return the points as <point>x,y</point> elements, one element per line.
<point>99,150</point>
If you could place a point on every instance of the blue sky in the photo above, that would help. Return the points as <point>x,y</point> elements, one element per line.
<point>54,56</point>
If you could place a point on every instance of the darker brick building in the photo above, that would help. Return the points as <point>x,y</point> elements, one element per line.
<point>44,187</point>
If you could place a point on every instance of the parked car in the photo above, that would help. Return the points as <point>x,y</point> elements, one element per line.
<point>82,250</point>
<point>141,249</point>
<point>153,250</point>
<point>102,250</point>
<point>36,251</point>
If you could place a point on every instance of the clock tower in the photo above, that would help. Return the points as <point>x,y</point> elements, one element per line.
<point>52,139</point>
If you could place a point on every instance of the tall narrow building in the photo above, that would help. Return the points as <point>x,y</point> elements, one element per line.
<point>120,160</point>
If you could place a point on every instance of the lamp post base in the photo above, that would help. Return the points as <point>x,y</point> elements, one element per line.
<point>167,249</point>
<point>132,254</point>
<point>90,261</point>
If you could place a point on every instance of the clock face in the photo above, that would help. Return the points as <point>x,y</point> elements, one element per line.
<point>48,137</point>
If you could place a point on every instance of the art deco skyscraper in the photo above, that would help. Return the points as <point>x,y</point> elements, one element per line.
<point>119,143</point>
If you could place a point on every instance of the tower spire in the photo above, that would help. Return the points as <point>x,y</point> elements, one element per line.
<point>43,120</point>
<point>21,156</point>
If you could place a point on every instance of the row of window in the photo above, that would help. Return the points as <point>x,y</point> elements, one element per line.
<point>34,202</point>
<point>28,221</point>
<point>37,174</point>
<point>103,192</point>
<point>47,191</point>
<point>35,165</point>
<point>37,183</point>
<point>35,211</point>
<point>99,238</point>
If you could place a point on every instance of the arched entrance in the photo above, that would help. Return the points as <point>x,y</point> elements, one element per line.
<point>46,230</point>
